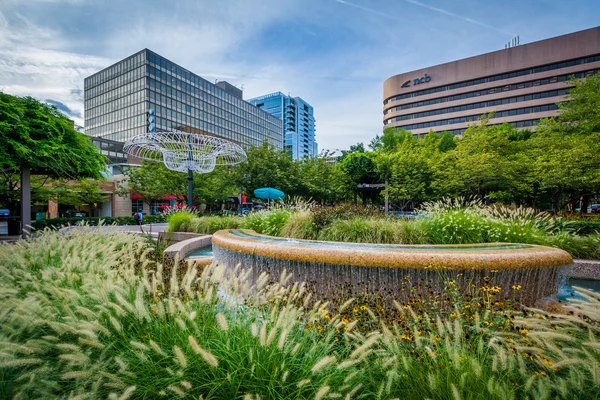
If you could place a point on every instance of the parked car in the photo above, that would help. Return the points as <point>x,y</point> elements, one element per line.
<point>75,214</point>
<point>595,209</point>
<point>4,214</point>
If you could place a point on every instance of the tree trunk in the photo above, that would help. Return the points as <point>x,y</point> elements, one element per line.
<point>25,201</point>
<point>585,201</point>
<point>556,201</point>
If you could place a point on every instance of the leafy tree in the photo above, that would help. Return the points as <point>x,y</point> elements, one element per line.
<point>582,112</point>
<point>153,181</point>
<point>355,148</point>
<point>443,142</point>
<point>566,166</point>
<point>323,181</point>
<point>269,168</point>
<point>394,137</point>
<point>37,139</point>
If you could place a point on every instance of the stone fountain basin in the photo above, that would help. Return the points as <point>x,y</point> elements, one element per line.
<point>461,257</point>
<point>517,272</point>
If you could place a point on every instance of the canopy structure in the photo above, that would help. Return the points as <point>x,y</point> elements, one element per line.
<point>269,194</point>
<point>182,151</point>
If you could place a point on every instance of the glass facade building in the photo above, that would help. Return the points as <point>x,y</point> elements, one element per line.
<point>146,92</point>
<point>298,120</point>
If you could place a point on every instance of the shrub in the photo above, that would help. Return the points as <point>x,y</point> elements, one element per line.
<point>357,230</point>
<point>459,226</point>
<point>268,222</point>
<point>299,226</point>
<point>323,216</point>
<point>210,225</point>
<point>400,231</point>
<point>585,226</point>
<point>584,247</point>
<point>180,221</point>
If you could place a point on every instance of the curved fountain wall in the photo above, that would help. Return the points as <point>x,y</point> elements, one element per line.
<point>519,272</point>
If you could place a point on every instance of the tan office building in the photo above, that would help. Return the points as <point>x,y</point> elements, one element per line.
<point>521,84</point>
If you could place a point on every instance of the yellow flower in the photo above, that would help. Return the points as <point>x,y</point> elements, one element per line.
<point>363,308</point>
<point>516,287</point>
<point>547,362</point>
<point>453,315</point>
<point>540,373</point>
<point>355,309</point>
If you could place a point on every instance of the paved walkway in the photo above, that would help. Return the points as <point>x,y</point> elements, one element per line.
<point>148,229</point>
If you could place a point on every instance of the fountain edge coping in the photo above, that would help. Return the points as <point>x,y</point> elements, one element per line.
<point>441,256</point>
<point>181,249</point>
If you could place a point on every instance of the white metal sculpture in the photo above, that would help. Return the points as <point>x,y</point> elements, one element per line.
<point>182,151</point>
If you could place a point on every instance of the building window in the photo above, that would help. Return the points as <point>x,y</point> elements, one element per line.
<point>157,206</point>
<point>136,205</point>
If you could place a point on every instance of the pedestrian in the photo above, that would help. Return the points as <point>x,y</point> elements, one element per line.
<point>138,217</point>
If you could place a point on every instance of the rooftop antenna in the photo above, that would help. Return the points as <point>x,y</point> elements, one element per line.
<point>515,41</point>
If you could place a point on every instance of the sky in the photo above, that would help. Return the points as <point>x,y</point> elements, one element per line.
<point>334,54</point>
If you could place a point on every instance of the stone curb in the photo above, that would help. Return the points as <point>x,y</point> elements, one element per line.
<point>585,269</point>
<point>184,247</point>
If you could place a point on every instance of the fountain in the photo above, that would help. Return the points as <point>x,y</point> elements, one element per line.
<point>517,272</point>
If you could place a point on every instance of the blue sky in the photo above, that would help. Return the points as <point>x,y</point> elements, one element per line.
<point>335,54</point>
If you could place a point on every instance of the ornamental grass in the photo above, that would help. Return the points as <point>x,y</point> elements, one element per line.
<point>92,315</point>
<point>448,221</point>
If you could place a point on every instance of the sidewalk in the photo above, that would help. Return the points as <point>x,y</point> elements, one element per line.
<point>148,229</point>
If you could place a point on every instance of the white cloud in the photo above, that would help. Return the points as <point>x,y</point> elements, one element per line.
<point>334,54</point>
<point>30,67</point>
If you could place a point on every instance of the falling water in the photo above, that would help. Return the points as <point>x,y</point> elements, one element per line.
<point>405,285</point>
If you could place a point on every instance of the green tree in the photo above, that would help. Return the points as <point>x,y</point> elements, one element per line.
<point>269,168</point>
<point>394,137</point>
<point>153,181</point>
<point>361,168</point>
<point>355,148</point>
<point>323,181</point>
<point>567,147</point>
<point>36,138</point>
<point>566,164</point>
<point>581,112</point>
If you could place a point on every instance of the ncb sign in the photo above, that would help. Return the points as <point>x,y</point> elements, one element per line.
<point>424,79</point>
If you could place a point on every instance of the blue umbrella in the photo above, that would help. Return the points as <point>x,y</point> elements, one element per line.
<point>269,194</point>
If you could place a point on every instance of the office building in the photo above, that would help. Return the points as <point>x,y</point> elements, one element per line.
<point>298,120</point>
<point>520,84</point>
<point>146,92</point>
